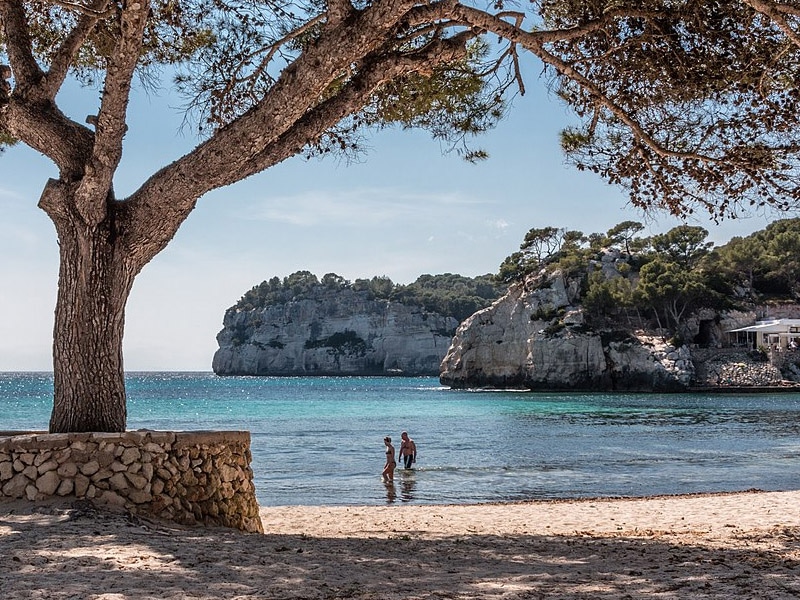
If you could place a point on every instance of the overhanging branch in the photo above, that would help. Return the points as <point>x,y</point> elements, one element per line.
<point>158,208</point>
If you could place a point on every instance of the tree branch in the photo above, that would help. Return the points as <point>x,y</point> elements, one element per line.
<point>65,55</point>
<point>165,193</point>
<point>775,12</point>
<point>300,86</point>
<point>353,97</point>
<point>47,130</point>
<point>338,11</point>
<point>100,12</point>
<point>92,194</point>
<point>265,61</point>
<point>535,41</point>
<point>27,73</point>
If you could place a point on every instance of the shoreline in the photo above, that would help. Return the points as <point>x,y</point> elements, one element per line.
<point>708,545</point>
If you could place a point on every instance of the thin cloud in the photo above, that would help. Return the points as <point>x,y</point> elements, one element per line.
<point>6,194</point>
<point>500,224</point>
<point>360,207</point>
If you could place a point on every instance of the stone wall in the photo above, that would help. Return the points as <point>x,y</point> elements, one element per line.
<point>733,367</point>
<point>186,477</point>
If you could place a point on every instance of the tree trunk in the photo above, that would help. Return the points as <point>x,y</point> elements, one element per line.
<point>93,289</point>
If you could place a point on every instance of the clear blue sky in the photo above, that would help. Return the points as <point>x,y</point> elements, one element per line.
<point>406,210</point>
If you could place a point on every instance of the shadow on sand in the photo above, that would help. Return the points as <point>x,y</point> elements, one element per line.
<point>78,552</point>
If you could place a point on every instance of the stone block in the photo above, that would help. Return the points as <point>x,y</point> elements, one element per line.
<point>111,498</point>
<point>118,481</point>
<point>158,487</point>
<point>31,492</point>
<point>15,488</point>
<point>117,467</point>
<point>41,458</point>
<point>188,479</point>
<point>130,455</point>
<point>81,485</point>
<point>66,487</point>
<point>137,481</point>
<point>102,474</point>
<point>48,483</point>
<point>105,458</point>
<point>90,468</point>
<point>139,496</point>
<point>46,466</point>
<point>6,471</point>
<point>68,469</point>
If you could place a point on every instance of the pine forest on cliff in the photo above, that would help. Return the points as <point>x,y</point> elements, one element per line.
<point>668,275</point>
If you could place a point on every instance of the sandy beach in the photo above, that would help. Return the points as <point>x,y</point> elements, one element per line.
<point>743,545</point>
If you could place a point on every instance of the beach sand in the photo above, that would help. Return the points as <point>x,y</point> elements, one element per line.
<point>743,545</point>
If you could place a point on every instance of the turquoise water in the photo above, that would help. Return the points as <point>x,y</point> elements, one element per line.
<point>319,440</point>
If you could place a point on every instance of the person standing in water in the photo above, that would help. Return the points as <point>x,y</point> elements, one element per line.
<point>408,450</point>
<point>388,468</point>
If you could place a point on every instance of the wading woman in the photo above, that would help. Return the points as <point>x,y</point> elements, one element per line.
<point>388,468</point>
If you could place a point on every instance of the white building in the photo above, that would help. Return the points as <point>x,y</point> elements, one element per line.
<point>775,333</point>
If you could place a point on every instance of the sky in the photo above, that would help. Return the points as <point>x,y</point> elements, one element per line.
<point>406,209</point>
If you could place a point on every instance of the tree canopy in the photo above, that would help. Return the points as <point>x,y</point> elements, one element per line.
<point>667,275</point>
<point>447,294</point>
<point>689,105</point>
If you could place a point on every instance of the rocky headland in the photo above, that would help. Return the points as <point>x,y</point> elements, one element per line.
<point>333,332</point>
<point>609,311</point>
<point>539,337</point>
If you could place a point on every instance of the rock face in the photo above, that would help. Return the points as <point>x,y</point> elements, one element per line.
<point>536,339</point>
<point>340,332</point>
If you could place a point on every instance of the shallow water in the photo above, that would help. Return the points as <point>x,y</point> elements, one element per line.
<point>319,440</point>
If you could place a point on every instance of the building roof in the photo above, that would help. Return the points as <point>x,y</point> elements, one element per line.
<point>773,326</point>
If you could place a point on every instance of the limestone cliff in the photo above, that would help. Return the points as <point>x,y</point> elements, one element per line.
<point>336,332</point>
<point>535,338</point>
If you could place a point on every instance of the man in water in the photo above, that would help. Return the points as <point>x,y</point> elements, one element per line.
<point>408,450</point>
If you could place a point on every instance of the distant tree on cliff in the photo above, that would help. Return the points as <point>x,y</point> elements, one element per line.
<point>781,242</point>
<point>767,261</point>
<point>542,246</point>
<point>624,233</point>
<point>670,290</point>
<point>684,245</point>
<point>687,104</point>
<point>450,294</point>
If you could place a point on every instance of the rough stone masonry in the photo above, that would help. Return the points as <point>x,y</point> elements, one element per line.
<point>190,478</point>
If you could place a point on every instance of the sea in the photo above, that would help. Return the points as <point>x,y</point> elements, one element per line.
<point>319,440</point>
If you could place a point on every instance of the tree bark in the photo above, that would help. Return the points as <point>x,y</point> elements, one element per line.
<point>93,287</point>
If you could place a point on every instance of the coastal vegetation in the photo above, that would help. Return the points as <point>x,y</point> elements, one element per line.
<point>688,105</point>
<point>664,277</point>
<point>448,294</point>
